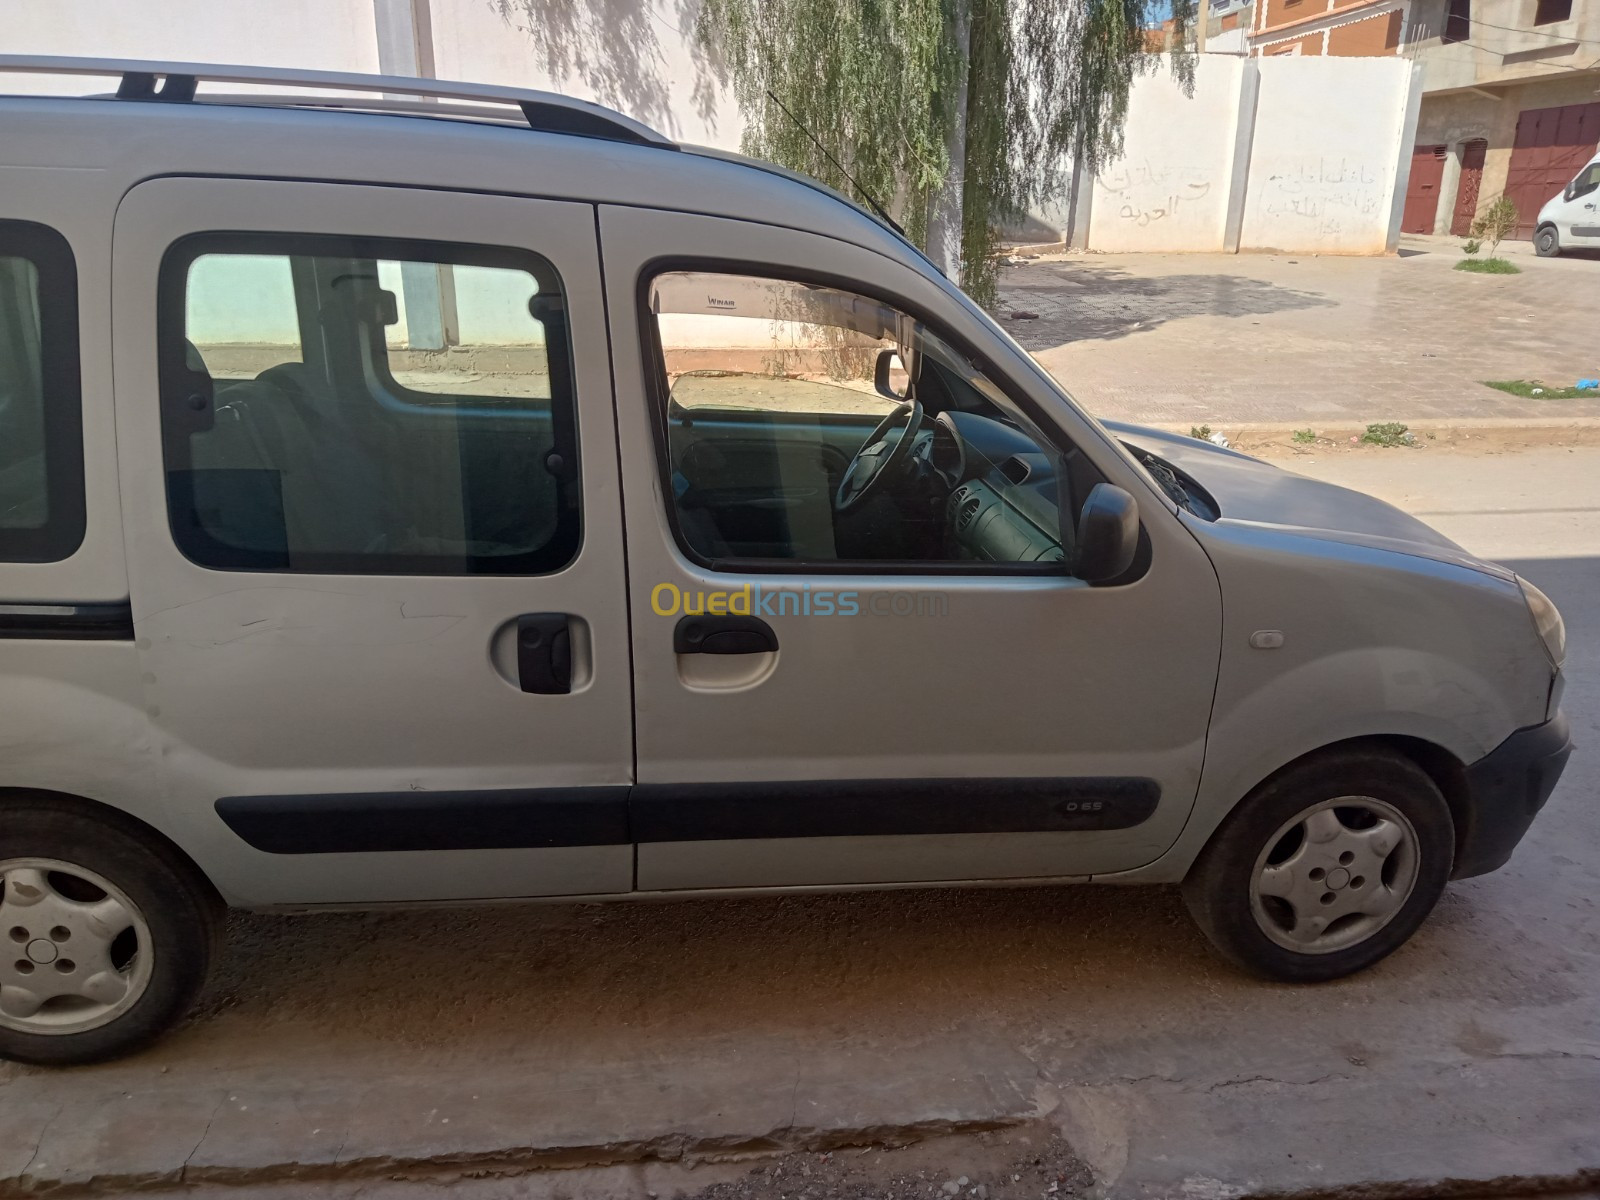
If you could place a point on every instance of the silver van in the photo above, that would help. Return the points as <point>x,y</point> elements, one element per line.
<point>438,493</point>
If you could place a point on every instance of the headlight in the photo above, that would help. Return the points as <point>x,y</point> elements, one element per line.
<point>1552,630</point>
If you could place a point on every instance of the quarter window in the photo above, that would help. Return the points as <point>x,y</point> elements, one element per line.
<point>322,410</point>
<point>41,423</point>
<point>807,425</point>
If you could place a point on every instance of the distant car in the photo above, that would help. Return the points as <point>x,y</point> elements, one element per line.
<point>1571,221</point>
<point>481,497</point>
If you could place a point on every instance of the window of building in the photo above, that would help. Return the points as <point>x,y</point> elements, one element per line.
<point>1548,12</point>
<point>41,422</point>
<point>1457,21</point>
<point>810,425</point>
<point>321,411</point>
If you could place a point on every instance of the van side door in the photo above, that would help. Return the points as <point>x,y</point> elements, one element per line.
<point>373,538</point>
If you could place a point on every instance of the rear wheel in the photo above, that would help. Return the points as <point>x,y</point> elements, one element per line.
<point>105,935</point>
<point>1547,242</point>
<point>1325,869</point>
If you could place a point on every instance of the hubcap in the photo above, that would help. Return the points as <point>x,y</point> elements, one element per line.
<point>75,952</point>
<point>1334,875</point>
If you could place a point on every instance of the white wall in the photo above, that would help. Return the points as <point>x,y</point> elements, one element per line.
<point>1326,151</point>
<point>324,35</point>
<point>633,55</point>
<point>1169,191</point>
<point>1326,140</point>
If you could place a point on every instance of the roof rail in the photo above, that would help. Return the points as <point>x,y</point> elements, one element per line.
<point>177,82</point>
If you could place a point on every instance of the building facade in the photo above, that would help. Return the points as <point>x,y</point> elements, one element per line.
<point>1343,28</point>
<point>1510,106</point>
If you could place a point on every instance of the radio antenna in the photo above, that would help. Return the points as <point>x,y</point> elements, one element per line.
<point>839,166</point>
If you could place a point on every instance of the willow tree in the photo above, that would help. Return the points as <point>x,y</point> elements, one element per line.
<point>985,101</point>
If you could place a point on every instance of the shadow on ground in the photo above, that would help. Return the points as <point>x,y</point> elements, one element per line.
<point>1077,301</point>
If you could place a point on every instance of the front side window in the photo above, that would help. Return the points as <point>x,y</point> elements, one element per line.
<point>1548,12</point>
<point>352,405</point>
<point>41,423</point>
<point>1588,180</point>
<point>811,425</point>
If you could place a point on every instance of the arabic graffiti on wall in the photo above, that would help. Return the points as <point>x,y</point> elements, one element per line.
<point>1139,194</point>
<point>1322,199</point>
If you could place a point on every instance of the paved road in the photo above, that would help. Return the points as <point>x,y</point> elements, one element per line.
<point>1233,339</point>
<point>344,1049</point>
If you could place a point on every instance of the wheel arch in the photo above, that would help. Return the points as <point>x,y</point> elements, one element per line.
<point>1448,773</point>
<point>120,820</point>
<point>1441,765</point>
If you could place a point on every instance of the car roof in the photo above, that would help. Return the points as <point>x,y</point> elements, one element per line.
<point>397,130</point>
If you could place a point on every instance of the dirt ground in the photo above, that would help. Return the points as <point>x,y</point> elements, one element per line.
<point>1278,444</point>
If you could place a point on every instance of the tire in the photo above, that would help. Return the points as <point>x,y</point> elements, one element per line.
<point>1547,242</point>
<point>1255,890</point>
<point>70,878</point>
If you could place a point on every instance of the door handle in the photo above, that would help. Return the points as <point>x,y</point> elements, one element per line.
<point>724,635</point>
<point>544,653</point>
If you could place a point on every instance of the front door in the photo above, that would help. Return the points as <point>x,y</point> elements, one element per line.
<point>858,655</point>
<point>374,546</point>
<point>1422,190</point>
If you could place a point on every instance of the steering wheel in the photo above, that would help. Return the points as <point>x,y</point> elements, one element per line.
<point>878,458</point>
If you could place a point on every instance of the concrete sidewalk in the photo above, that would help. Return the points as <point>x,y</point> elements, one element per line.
<point>1231,340</point>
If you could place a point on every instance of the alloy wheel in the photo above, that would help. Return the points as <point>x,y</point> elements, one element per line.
<point>75,952</point>
<point>1334,875</point>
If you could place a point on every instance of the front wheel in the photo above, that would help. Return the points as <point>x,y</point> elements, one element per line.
<point>1547,242</point>
<point>106,936</point>
<point>1325,869</point>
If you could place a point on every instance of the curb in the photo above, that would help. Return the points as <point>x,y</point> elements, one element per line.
<point>680,1148</point>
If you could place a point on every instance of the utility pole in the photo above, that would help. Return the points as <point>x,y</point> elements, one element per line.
<point>1201,20</point>
<point>405,47</point>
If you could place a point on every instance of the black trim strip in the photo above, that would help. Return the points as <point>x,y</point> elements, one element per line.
<point>533,818</point>
<point>520,818</point>
<point>697,812</point>
<point>67,622</point>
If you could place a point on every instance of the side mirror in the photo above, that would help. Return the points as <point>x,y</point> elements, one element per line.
<point>1108,534</point>
<point>887,361</point>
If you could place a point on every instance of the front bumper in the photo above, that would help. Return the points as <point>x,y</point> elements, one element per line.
<point>1505,791</point>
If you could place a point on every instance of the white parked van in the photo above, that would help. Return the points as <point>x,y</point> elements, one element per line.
<point>446,493</point>
<point>1572,219</point>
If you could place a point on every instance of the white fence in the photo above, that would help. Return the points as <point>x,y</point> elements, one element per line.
<point>1298,154</point>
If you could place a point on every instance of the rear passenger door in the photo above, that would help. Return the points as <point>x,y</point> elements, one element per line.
<point>374,543</point>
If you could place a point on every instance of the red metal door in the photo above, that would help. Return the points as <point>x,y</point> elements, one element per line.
<point>1422,192</point>
<point>1551,145</point>
<point>1472,156</point>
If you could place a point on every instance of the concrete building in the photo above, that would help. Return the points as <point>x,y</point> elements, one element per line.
<point>1228,24</point>
<point>1342,28</point>
<point>1510,106</point>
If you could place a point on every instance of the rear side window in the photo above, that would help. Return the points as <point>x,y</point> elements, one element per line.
<point>41,422</point>
<point>324,411</point>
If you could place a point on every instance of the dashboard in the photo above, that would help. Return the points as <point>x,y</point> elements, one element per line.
<point>1004,494</point>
